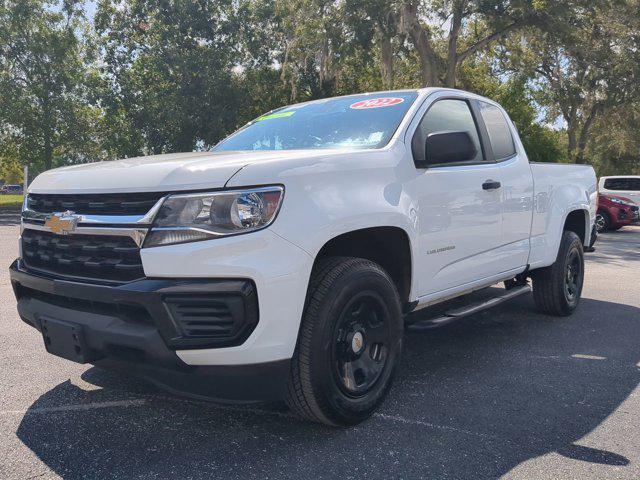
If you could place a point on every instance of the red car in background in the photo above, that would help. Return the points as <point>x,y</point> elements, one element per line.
<point>615,212</point>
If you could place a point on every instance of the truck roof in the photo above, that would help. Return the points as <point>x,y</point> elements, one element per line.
<point>419,91</point>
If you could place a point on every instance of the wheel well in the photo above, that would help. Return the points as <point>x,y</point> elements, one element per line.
<point>576,222</point>
<point>387,246</point>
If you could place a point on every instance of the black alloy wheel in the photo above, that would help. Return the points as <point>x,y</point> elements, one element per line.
<point>573,276</point>
<point>361,342</point>
<point>603,223</point>
<point>349,342</point>
<point>557,288</point>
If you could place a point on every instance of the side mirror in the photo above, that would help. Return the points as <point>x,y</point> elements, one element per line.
<point>449,147</point>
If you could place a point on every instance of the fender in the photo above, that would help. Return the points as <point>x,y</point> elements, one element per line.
<point>554,202</point>
<point>327,197</point>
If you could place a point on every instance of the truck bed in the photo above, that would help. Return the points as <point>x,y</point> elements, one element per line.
<point>558,188</point>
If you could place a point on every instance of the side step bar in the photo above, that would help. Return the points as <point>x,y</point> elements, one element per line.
<point>452,315</point>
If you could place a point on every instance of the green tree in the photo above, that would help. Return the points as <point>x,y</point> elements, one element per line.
<point>614,148</point>
<point>173,75</point>
<point>582,73</point>
<point>445,33</point>
<point>10,169</point>
<point>311,37</point>
<point>317,48</point>
<point>169,72</point>
<point>11,172</point>
<point>373,24</point>
<point>43,68</point>
<point>541,143</point>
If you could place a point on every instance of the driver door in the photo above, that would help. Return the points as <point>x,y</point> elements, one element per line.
<point>459,205</point>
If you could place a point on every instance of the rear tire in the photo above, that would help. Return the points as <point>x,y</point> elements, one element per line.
<point>349,343</point>
<point>557,288</point>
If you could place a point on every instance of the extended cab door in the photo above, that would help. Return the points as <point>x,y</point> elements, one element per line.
<point>517,185</point>
<point>458,205</point>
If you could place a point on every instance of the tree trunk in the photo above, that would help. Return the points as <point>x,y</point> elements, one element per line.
<point>569,114</point>
<point>579,155</point>
<point>48,150</point>
<point>47,134</point>
<point>327,74</point>
<point>422,42</point>
<point>386,59</point>
<point>584,134</point>
<point>452,53</point>
<point>572,142</point>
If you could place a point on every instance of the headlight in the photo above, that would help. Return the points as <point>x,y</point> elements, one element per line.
<point>621,202</point>
<point>202,216</point>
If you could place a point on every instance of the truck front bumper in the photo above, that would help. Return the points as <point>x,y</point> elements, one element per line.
<point>140,326</point>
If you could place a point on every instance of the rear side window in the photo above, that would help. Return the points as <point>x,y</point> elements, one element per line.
<point>628,184</point>
<point>498,130</point>
<point>446,116</point>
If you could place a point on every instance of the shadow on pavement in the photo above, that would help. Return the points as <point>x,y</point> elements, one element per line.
<point>593,455</point>
<point>472,400</point>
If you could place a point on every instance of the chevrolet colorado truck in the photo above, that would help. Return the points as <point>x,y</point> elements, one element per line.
<point>284,263</point>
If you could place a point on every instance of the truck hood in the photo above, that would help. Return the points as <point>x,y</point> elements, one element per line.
<point>160,173</point>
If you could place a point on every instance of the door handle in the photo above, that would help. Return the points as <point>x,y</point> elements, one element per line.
<point>491,185</point>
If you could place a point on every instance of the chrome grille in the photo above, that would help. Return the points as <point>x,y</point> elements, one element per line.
<point>94,204</point>
<point>96,257</point>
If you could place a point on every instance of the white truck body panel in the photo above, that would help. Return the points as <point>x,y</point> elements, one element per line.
<point>280,271</point>
<point>158,173</point>
<point>461,236</point>
<point>553,202</point>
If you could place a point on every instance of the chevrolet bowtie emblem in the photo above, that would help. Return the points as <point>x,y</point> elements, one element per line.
<point>62,223</point>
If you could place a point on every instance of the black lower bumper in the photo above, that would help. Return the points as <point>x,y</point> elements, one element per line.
<point>136,327</point>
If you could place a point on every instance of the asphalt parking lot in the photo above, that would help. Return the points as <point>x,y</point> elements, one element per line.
<point>506,393</point>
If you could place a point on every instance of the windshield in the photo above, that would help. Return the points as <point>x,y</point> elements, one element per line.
<point>358,121</point>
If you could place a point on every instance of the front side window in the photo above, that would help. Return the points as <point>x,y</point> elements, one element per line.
<point>446,116</point>
<point>624,184</point>
<point>498,130</point>
<point>358,121</point>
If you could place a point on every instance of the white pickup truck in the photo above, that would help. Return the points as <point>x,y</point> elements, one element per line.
<point>284,263</point>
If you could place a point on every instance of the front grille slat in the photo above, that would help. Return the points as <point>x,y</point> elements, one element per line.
<point>89,257</point>
<point>94,203</point>
<point>96,257</point>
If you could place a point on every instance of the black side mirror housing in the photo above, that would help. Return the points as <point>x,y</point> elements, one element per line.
<point>448,147</point>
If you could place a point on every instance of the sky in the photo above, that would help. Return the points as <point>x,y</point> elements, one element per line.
<point>90,9</point>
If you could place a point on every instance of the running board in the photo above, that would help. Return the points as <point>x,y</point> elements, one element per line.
<point>467,310</point>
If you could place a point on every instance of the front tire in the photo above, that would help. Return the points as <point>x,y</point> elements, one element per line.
<point>557,288</point>
<point>349,343</point>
